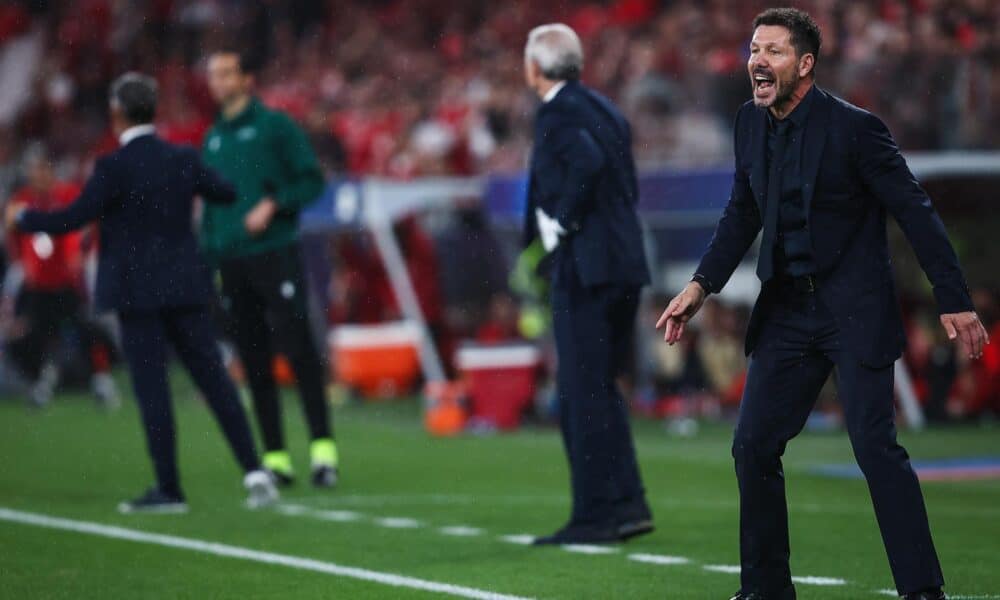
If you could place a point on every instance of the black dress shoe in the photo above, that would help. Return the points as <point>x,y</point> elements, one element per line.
<point>580,534</point>
<point>933,594</point>
<point>788,594</point>
<point>633,519</point>
<point>156,502</point>
<point>635,528</point>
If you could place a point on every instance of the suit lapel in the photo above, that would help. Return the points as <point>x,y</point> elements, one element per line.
<point>812,151</point>
<point>758,171</point>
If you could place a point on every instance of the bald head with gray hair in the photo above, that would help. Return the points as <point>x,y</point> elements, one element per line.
<point>557,51</point>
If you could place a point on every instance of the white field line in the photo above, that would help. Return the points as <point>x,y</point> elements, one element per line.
<point>225,550</point>
<point>398,522</point>
<point>337,516</point>
<point>525,539</point>
<point>522,539</point>
<point>460,531</point>
<point>813,580</point>
<point>298,510</point>
<point>804,579</point>
<point>380,500</point>
<point>732,569</point>
<point>658,559</point>
<point>589,549</point>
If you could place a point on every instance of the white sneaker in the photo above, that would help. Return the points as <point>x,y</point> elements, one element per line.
<point>42,390</point>
<point>105,390</point>
<point>260,489</point>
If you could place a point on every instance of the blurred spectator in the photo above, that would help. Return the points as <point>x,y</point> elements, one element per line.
<point>500,324</point>
<point>52,294</point>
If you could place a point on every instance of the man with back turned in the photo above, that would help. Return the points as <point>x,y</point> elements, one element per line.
<point>818,176</point>
<point>151,273</point>
<point>581,204</point>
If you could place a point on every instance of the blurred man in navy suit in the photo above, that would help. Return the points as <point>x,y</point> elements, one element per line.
<point>581,204</point>
<point>818,177</point>
<point>151,272</point>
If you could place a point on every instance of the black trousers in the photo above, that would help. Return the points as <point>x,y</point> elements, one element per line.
<point>146,336</point>
<point>594,329</point>
<point>46,311</point>
<point>798,347</point>
<point>266,296</point>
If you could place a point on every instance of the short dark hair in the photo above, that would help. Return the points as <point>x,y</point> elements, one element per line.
<point>247,62</point>
<point>135,95</point>
<point>806,36</point>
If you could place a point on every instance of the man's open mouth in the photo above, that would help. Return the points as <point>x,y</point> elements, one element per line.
<point>762,82</point>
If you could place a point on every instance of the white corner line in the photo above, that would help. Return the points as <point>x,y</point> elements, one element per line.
<point>659,559</point>
<point>225,550</point>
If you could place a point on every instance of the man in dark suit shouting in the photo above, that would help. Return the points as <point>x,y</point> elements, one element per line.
<point>151,272</point>
<point>581,203</point>
<point>819,176</point>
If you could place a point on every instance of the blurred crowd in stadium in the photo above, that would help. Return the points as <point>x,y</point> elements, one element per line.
<point>445,95</point>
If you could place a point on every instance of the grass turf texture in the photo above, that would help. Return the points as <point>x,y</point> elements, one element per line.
<point>73,462</point>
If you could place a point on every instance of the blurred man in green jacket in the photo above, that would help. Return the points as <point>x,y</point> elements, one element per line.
<point>255,242</point>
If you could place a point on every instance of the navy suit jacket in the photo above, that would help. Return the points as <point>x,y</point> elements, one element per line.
<point>583,175</point>
<point>853,176</point>
<point>142,195</point>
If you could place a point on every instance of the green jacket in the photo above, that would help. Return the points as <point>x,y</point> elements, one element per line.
<point>263,153</point>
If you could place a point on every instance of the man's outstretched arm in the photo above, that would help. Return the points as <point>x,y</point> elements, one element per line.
<point>885,173</point>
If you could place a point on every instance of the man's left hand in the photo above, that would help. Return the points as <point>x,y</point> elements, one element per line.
<point>259,218</point>
<point>968,330</point>
<point>12,213</point>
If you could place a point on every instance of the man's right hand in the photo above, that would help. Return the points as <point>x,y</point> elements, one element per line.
<point>260,216</point>
<point>680,310</point>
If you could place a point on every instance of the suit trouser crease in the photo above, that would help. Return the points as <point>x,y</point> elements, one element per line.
<point>798,347</point>
<point>267,296</point>
<point>592,328</point>
<point>146,336</point>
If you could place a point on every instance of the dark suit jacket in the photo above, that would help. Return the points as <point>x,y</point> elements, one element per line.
<point>853,175</point>
<point>142,194</point>
<point>582,174</point>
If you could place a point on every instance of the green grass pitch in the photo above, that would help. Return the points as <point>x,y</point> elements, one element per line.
<point>73,462</point>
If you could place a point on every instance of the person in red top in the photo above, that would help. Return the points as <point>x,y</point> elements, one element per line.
<point>52,293</point>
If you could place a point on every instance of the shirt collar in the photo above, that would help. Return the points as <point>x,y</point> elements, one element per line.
<point>549,95</point>
<point>136,131</point>
<point>800,112</point>
<point>244,115</point>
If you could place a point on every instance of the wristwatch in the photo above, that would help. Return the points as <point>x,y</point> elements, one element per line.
<point>703,282</point>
